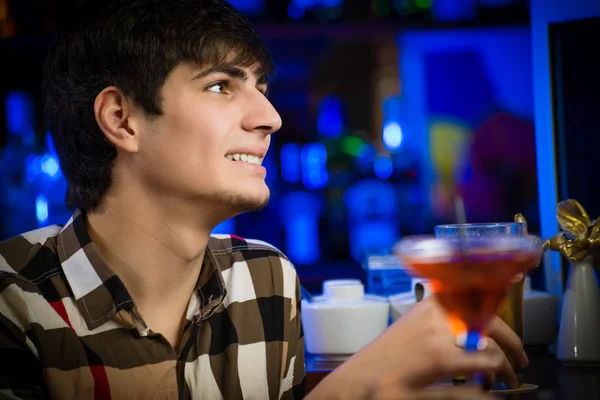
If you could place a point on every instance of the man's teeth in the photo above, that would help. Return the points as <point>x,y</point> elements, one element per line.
<point>249,158</point>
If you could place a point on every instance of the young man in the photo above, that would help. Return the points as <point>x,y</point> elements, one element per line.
<point>159,114</point>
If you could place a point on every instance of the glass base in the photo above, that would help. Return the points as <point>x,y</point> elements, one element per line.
<point>503,389</point>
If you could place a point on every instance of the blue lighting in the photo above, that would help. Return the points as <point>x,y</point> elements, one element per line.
<point>383,167</point>
<point>392,135</point>
<point>45,166</point>
<point>305,3</point>
<point>455,10</point>
<point>366,157</point>
<point>331,3</point>
<point>371,234</point>
<point>41,209</point>
<point>329,120</point>
<point>251,7</point>
<point>32,168</point>
<point>497,3</point>
<point>271,164</point>
<point>372,216</point>
<point>50,145</point>
<point>361,197</point>
<point>225,227</point>
<point>304,247</point>
<point>392,130</point>
<point>49,165</point>
<point>314,161</point>
<point>392,108</point>
<point>295,12</point>
<point>300,215</point>
<point>18,112</point>
<point>290,163</point>
<point>367,152</point>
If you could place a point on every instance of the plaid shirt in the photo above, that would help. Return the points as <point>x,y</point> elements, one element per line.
<point>70,330</point>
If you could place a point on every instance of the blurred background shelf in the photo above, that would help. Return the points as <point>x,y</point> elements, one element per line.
<point>390,107</point>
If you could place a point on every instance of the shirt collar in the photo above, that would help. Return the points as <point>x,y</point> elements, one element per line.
<point>210,289</point>
<point>100,294</point>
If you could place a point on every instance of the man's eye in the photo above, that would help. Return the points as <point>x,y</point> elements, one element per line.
<point>218,87</point>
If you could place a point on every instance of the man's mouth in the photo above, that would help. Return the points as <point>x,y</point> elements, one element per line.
<point>247,158</point>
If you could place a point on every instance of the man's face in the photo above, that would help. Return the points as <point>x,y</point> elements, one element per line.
<point>209,144</point>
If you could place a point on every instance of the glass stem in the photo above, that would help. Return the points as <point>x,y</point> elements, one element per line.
<point>472,344</point>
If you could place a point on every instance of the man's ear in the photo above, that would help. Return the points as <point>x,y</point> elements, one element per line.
<point>115,116</point>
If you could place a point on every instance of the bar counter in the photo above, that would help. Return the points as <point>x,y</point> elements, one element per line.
<point>554,381</point>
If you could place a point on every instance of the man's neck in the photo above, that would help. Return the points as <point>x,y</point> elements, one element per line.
<point>157,254</point>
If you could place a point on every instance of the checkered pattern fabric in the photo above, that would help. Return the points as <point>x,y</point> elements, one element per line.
<point>70,330</point>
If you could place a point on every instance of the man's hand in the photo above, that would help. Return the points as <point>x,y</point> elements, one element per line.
<point>416,351</point>
<point>501,336</point>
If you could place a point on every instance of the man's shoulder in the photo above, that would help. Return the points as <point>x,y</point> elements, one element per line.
<point>253,268</point>
<point>30,256</point>
<point>226,244</point>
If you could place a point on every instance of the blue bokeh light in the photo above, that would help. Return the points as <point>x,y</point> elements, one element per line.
<point>249,7</point>
<point>305,3</point>
<point>290,163</point>
<point>32,168</point>
<point>366,157</point>
<point>383,167</point>
<point>18,112</point>
<point>297,8</point>
<point>50,145</point>
<point>392,135</point>
<point>329,119</point>
<point>296,12</point>
<point>455,10</point>
<point>34,196</point>
<point>304,230</point>
<point>49,165</point>
<point>41,209</point>
<point>372,214</point>
<point>300,216</point>
<point>314,162</point>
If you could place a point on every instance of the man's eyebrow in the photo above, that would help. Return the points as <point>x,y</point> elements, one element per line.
<point>263,80</point>
<point>230,70</point>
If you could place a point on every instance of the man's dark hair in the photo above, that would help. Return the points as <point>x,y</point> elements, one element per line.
<point>133,45</point>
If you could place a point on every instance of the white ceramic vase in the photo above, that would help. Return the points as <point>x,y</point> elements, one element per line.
<point>578,341</point>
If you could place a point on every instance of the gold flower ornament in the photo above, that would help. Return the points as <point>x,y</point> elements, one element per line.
<point>579,236</point>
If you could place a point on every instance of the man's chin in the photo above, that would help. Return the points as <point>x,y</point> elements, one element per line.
<point>242,204</point>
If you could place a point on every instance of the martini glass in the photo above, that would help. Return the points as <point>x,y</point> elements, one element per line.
<point>470,275</point>
<point>511,310</point>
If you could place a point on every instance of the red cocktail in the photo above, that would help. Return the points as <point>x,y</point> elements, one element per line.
<point>470,276</point>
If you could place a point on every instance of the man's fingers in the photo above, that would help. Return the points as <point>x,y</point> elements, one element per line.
<point>463,362</point>
<point>508,340</point>
<point>506,371</point>
<point>489,378</point>
<point>517,278</point>
<point>453,362</point>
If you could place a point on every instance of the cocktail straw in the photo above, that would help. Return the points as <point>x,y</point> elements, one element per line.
<point>461,218</point>
<point>473,337</point>
<point>459,209</point>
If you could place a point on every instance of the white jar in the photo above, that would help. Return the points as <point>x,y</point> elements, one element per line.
<point>343,319</point>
